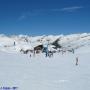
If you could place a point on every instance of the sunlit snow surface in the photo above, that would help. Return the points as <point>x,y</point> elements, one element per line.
<point>40,73</point>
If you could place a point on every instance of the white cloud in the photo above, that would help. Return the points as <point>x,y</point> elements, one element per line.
<point>22,17</point>
<point>67,9</point>
<point>71,9</point>
<point>41,11</point>
<point>28,14</point>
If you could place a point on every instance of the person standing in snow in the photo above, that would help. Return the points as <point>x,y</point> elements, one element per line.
<point>30,55</point>
<point>14,43</point>
<point>76,61</point>
<point>72,50</point>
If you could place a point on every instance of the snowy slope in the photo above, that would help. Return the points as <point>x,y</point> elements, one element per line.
<point>74,41</point>
<point>41,73</point>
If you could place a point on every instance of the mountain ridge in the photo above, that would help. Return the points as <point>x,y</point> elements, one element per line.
<point>27,42</point>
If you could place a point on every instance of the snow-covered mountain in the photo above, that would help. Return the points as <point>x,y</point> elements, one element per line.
<point>43,73</point>
<point>15,43</point>
<point>38,72</point>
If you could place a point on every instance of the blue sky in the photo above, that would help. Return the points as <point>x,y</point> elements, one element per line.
<point>38,17</point>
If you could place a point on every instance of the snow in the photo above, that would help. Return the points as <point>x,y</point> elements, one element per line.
<point>43,73</point>
<point>29,42</point>
<point>40,73</point>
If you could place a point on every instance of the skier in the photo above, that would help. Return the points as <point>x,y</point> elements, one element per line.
<point>72,50</point>
<point>46,52</point>
<point>14,43</point>
<point>76,61</point>
<point>30,55</point>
